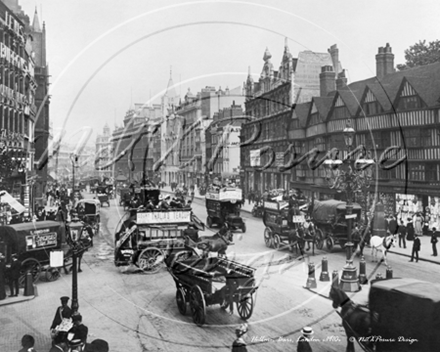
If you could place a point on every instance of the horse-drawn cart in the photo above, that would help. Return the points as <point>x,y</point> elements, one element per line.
<point>328,217</point>
<point>33,242</point>
<point>223,207</point>
<point>103,197</point>
<point>203,282</point>
<point>287,227</point>
<point>402,316</point>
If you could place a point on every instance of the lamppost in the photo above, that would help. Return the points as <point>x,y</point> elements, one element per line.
<point>356,178</point>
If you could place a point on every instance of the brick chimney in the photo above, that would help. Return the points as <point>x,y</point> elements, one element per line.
<point>334,54</point>
<point>384,61</point>
<point>341,81</point>
<point>326,80</point>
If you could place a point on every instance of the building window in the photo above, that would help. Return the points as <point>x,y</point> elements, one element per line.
<point>416,172</point>
<point>372,108</point>
<point>340,112</point>
<point>412,137</point>
<point>411,102</point>
<point>432,172</point>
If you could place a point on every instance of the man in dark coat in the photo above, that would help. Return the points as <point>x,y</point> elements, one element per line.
<point>402,234</point>
<point>392,225</point>
<point>14,275</point>
<point>63,311</point>
<point>415,248</point>
<point>434,241</point>
<point>2,276</point>
<point>239,344</point>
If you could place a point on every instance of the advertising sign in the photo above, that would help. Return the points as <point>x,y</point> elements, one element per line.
<point>255,157</point>
<point>165,217</point>
<point>44,238</point>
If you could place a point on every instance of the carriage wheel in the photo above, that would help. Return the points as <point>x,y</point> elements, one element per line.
<point>150,260</point>
<point>198,305</point>
<point>319,239</point>
<point>209,222</point>
<point>330,243</point>
<point>29,265</point>
<point>243,227</point>
<point>268,237</point>
<point>245,307</point>
<point>181,300</point>
<point>276,241</point>
<point>52,274</point>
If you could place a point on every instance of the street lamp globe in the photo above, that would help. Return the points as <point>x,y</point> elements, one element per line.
<point>349,133</point>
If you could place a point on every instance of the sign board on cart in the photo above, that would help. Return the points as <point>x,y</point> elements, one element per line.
<point>351,216</point>
<point>164,217</point>
<point>298,219</point>
<point>225,194</point>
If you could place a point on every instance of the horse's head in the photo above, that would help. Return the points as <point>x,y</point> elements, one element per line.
<point>338,297</point>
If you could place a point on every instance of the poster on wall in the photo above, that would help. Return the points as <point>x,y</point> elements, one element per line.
<point>432,212</point>
<point>255,157</point>
<point>407,205</point>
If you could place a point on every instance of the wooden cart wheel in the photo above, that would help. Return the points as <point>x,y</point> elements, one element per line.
<point>319,239</point>
<point>29,265</point>
<point>268,237</point>
<point>245,306</point>
<point>276,241</point>
<point>209,222</point>
<point>150,260</point>
<point>52,274</point>
<point>330,243</point>
<point>198,305</point>
<point>181,300</point>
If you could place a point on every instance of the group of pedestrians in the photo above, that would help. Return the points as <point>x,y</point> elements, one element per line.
<point>412,232</point>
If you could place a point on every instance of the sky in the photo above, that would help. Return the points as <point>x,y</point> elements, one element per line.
<point>106,55</point>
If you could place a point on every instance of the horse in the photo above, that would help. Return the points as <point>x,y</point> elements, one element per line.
<point>382,244</point>
<point>218,242</point>
<point>356,319</point>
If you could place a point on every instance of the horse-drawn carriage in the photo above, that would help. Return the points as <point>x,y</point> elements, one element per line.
<point>223,207</point>
<point>102,194</point>
<point>287,227</point>
<point>146,237</point>
<point>329,218</point>
<point>89,211</point>
<point>33,242</point>
<point>402,315</point>
<point>203,282</point>
<point>124,197</point>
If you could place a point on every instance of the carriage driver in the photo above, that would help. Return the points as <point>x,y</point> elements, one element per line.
<point>191,232</point>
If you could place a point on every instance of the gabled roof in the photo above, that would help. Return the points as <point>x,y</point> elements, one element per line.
<point>302,112</point>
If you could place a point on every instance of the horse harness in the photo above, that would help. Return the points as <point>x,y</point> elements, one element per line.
<point>384,243</point>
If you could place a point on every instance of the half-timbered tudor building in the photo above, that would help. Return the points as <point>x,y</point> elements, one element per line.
<point>269,103</point>
<point>396,117</point>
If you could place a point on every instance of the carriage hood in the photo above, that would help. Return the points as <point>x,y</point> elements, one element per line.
<point>328,209</point>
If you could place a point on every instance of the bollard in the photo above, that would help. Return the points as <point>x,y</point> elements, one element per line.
<point>311,281</point>
<point>28,285</point>
<point>389,273</point>
<point>335,279</point>
<point>379,276</point>
<point>324,270</point>
<point>363,280</point>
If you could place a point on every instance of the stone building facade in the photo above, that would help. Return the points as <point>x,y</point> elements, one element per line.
<point>270,103</point>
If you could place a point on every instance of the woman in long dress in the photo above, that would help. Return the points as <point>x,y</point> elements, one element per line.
<point>418,224</point>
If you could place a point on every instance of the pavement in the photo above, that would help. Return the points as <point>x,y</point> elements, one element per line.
<point>425,248</point>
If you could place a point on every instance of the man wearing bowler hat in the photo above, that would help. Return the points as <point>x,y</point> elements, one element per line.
<point>62,312</point>
<point>303,341</point>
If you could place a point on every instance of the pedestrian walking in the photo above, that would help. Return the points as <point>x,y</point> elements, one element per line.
<point>415,249</point>
<point>402,234</point>
<point>58,344</point>
<point>410,230</point>
<point>62,312</point>
<point>13,275</point>
<point>27,343</point>
<point>303,340</point>
<point>434,241</point>
<point>239,344</point>
<point>77,335</point>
